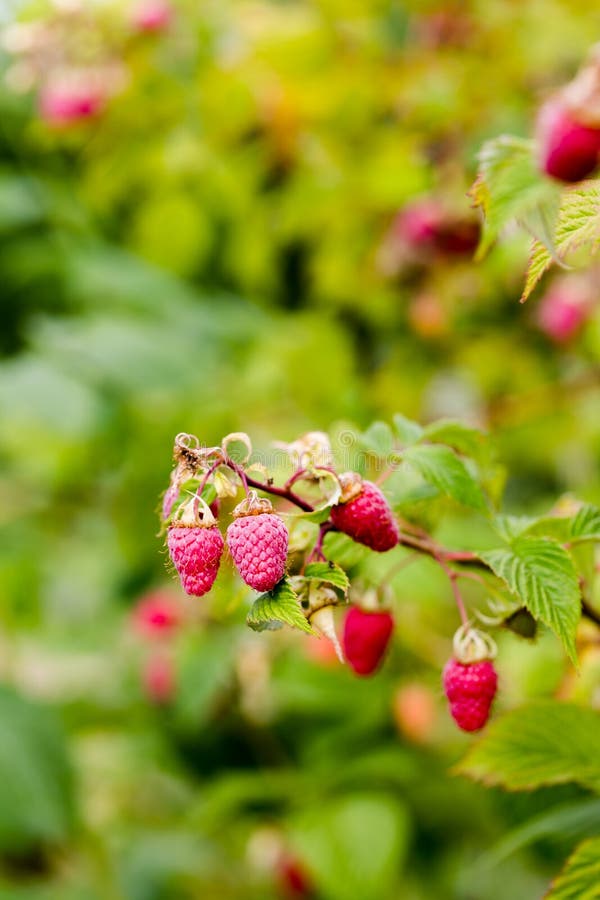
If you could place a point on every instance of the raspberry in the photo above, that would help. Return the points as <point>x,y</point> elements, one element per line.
<point>152,15</point>
<point>366,517</point>
<point>366,637</point>
<point>568,150</point>
<point>156,614</point>
<point>470,689</point>
<point>426,225</point>
<point>64,103</point>
<point>195,545</point>
<point>258,542</point>
<point>158,678</point>
<point>564,309</point>
<point>293,878</point>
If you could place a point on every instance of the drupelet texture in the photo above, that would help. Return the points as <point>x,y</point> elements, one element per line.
<point>367,519</point>
<point>366,637</point>
<point>470,689</point>
<point>196,554</point>
<point>258,545</point>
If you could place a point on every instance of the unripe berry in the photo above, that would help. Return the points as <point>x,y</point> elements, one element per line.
<point>414,711</point>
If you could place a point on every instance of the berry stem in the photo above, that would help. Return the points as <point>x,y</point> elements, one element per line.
<point>268,488</point>
<point>207,475</point>
<point>317,550</point>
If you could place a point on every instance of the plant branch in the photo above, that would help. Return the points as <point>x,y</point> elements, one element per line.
<point>283,493</point>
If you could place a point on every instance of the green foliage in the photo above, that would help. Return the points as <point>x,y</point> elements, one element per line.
<point>36,778</point>
<point>541,574</point>
<point>509,189</point>
<point>580,879</point>
<point>440,466</point>
<point>217,252</point>
<point>577,226</point>
<point>329,573</point>
<point>276,607</point>
<point>356,844</point>
<point>527,748</point>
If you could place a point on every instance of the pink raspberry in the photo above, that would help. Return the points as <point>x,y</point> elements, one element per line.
<point>158,678</point>
<point>426,226</point>
<point>418,223</point>
<point>367,519</point>
<point>366,637</point>
<point>152,15</point>
<point>568,150</point>
<point>470,689</point>
<point>156,614</point>
<point>65,104</point>
<point>258,544</point>
<point>196,554</point>
<point>564,309</point>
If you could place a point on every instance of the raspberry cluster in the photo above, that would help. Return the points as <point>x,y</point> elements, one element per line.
<point>257,542</point>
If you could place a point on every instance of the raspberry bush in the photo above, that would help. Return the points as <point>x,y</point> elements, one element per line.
<point>255,216</point>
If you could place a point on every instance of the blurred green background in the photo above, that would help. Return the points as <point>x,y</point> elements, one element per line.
<point>217,250</point>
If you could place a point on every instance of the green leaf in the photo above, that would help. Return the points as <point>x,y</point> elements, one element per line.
<point>329,572</point>
<point>586,524</point>
<point>378,439</point>
<point>539,263</point>
<point>510,527</point>
<point>542,576</point>
<point>577,226</point>
<point>543,743</point>
<point>36,781</point>
<point>279,605</point>
<point>440,466</point>
<point>509,188</point>
<point>354,846</point>
<point>464,438</point>
<point>568,821</point>
<point>580,878</point>
<point>409,432</point>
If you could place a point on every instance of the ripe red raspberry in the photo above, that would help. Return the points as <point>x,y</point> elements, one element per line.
<point>568,150</point>
<point>366,516</point>
<point>366,637</point>
<point>470,689</point>
<point>195,545</point>
<point>258,542</point>
<point>293,878</point>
